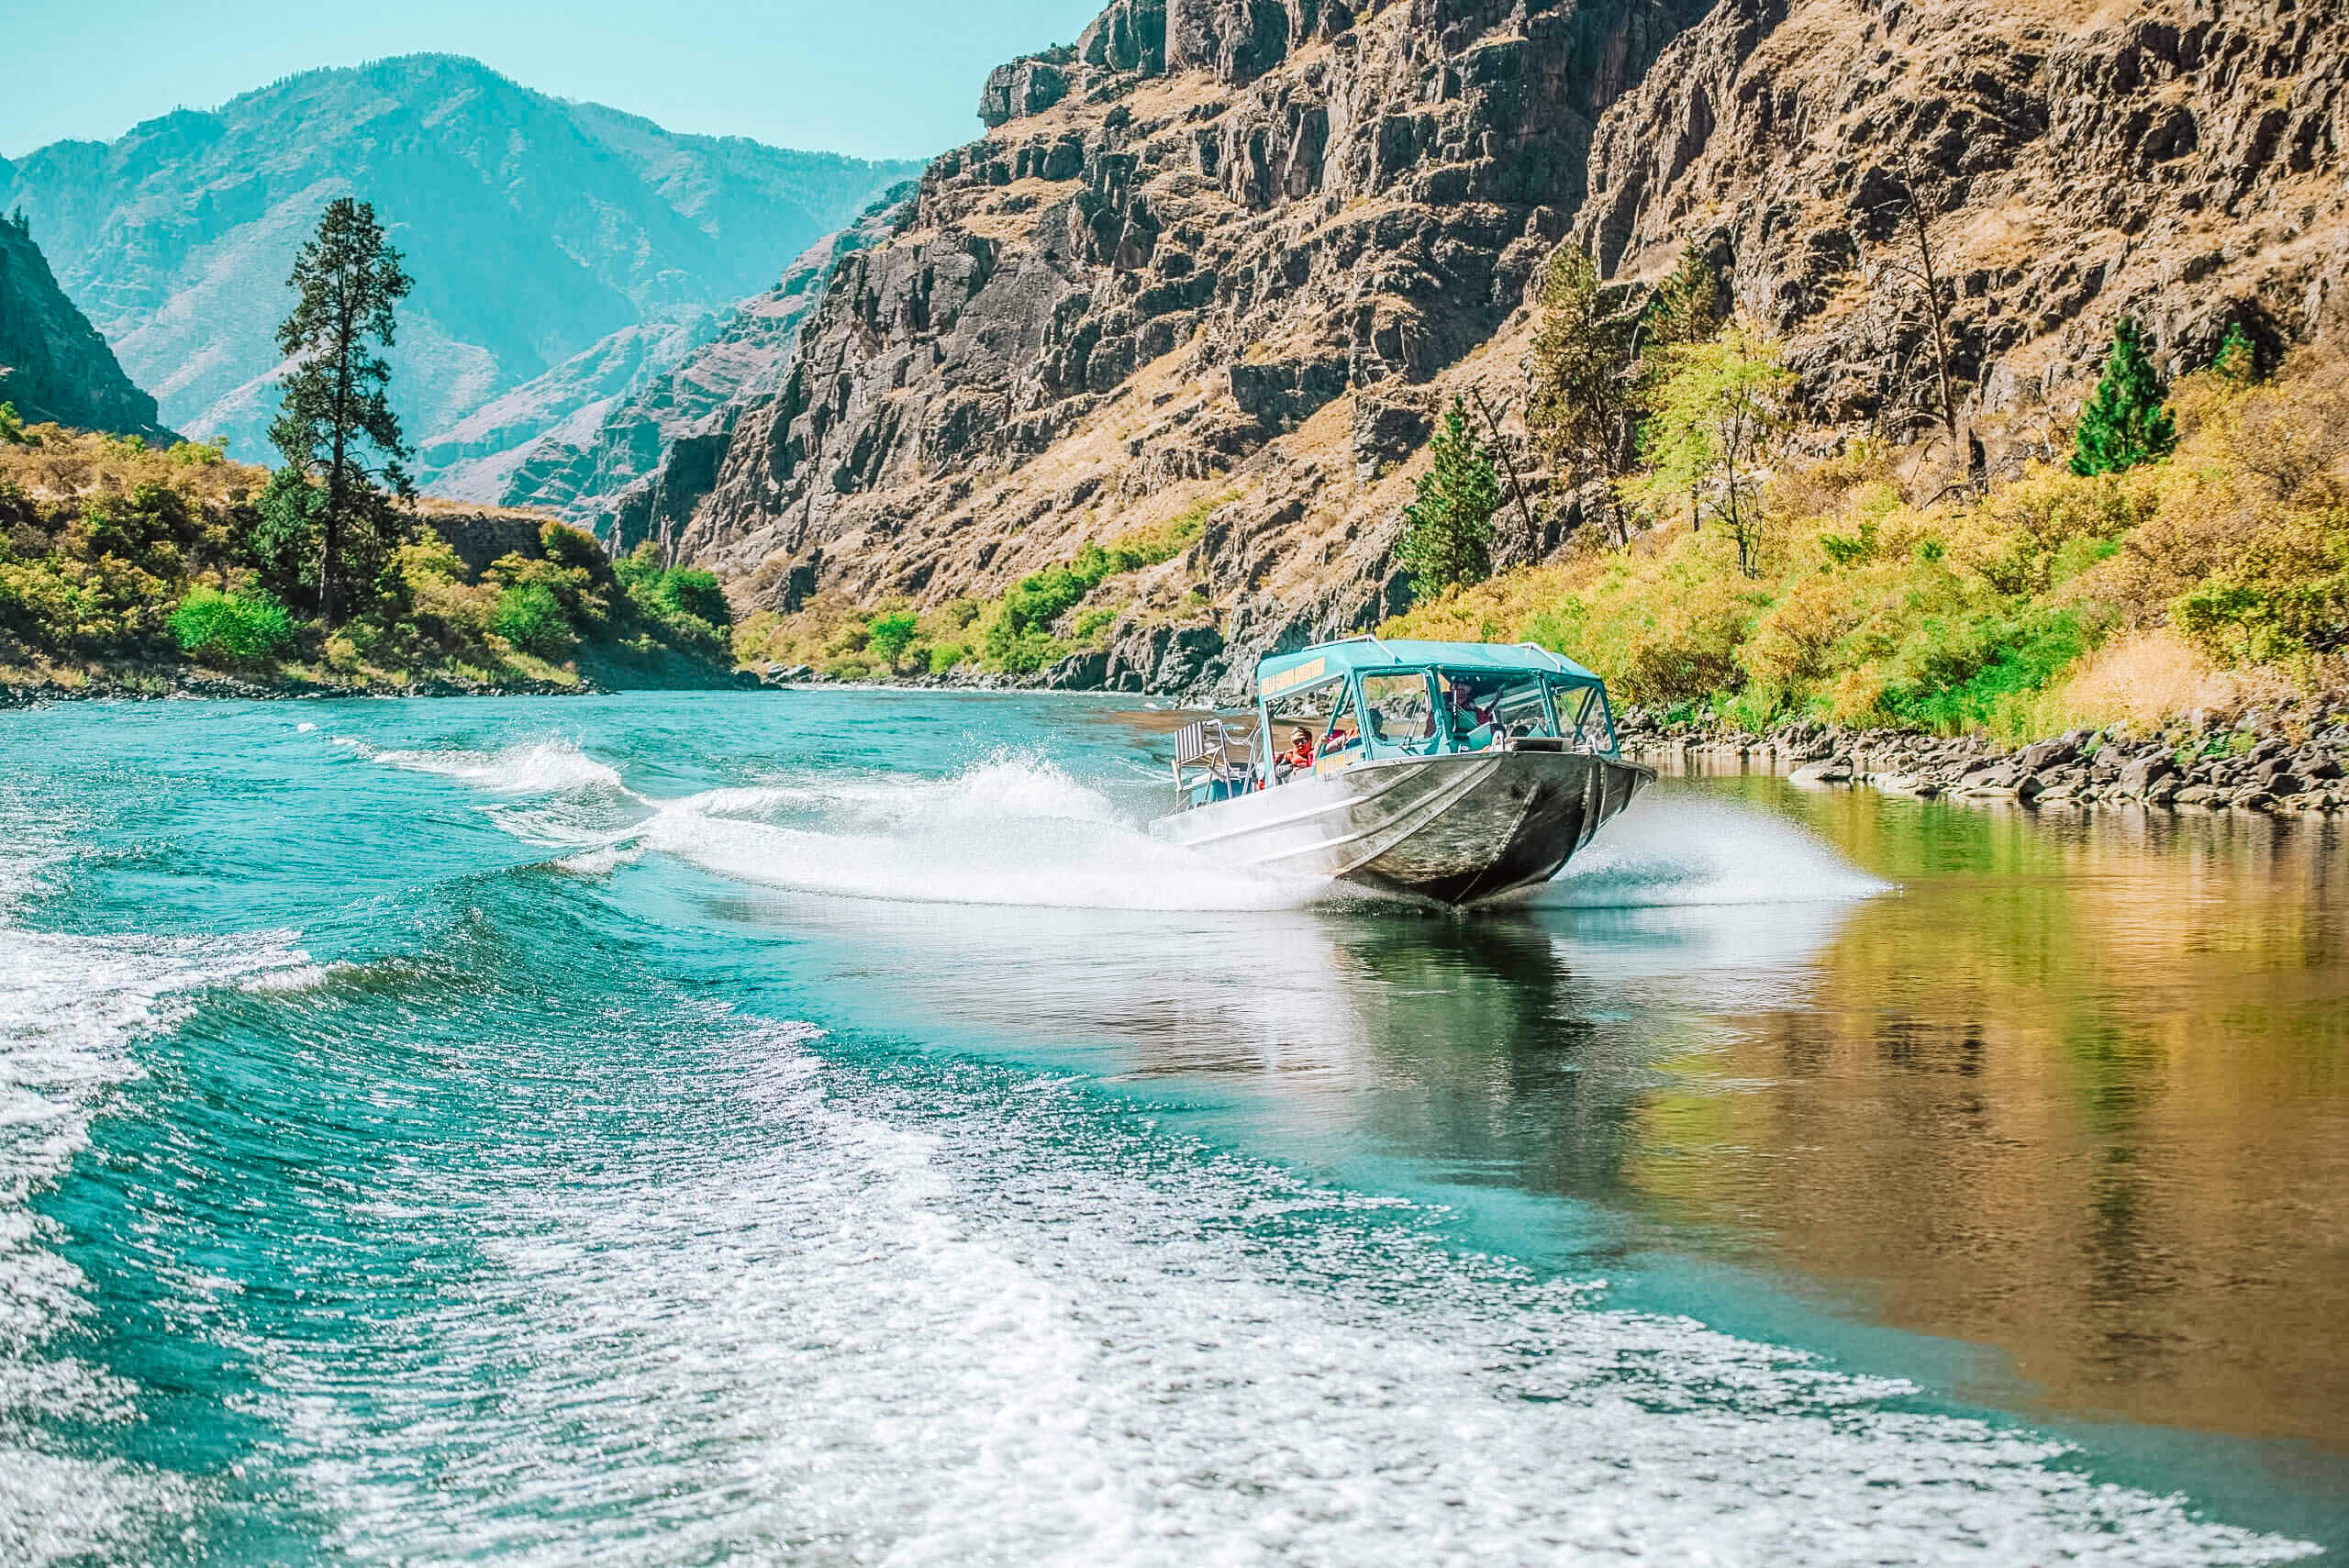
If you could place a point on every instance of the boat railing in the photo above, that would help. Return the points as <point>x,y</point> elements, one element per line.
<point>1212,760</point>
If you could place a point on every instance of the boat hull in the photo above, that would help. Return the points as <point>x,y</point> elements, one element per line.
<point>1459,829</point>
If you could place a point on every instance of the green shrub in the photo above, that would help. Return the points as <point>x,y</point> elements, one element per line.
<point>1039,600</point>
<point>150,526</point>
<point>889,635</point>
<point>685,605</point>
<point>690,591</point>
<point>235,630</point>
<point>41,604</point>
<point>531,617</point>
<point>213,453</point>
<point>1024,652</point>
<point>575,548</point>
<point>2282,597</point>
<point>1961,673</point>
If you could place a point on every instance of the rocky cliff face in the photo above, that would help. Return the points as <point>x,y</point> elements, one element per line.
<point>538,230</point>
<point>597,463</point>
<point>54,367</point>
<point>2180,160</point>
<point>1233,253</point>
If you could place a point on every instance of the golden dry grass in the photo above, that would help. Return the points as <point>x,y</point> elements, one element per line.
<point>438,507</point>
<point>2147,679</point>
<point>61,464</point>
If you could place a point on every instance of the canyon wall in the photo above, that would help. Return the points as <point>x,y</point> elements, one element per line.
<point>1230,257</point>
<point>54,366</point>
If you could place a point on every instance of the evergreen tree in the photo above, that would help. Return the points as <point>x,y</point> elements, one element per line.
<point>1584,402</point>
<point>2238,361</point>
<point>2125,424</point>
<point>1448,532</point>
<point>1685,308</point>
<point>337,399</point>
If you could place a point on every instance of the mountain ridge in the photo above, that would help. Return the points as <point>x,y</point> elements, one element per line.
<point>55,368</point>
<point>535,227</point>
<point>600,477</point>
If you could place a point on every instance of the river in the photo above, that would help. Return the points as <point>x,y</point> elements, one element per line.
<point>821,1128</point>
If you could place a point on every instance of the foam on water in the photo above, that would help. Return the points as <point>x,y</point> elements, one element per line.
<point>1672,851</point>
<point>1008,830</point>
<point>70,1008</point>
<point>704,1291</point>
<point>978,1320</point>
<point>534,767</point>
<point>550,792</point>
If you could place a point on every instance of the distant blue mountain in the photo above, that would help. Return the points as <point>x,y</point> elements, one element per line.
<point>536,230</point>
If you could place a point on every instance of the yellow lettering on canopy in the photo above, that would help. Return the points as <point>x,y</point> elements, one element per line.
<point>1295,677</point>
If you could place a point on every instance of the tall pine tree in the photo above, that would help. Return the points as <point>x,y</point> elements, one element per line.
<point>336,401</point>
<point>1448,532</point>
<point>1585,405</point>
<point>1685,308</point>
<point>2125,423</point>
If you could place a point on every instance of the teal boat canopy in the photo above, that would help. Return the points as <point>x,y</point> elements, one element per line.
<point>1279,672</point>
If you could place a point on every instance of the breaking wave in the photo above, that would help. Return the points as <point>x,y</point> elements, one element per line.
<point>1010,829</point>
<point>533,767</point>
<point>1014,830</point>
<point>71,1008</point>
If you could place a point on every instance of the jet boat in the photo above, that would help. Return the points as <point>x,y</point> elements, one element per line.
<point>1457,771</point>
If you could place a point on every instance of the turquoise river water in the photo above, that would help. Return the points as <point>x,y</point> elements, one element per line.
<point>822,1127</point>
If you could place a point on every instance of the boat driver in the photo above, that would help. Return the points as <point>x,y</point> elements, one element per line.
<point>1471,704</point>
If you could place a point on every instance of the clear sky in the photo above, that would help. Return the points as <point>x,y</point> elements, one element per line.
<point>878,78</point>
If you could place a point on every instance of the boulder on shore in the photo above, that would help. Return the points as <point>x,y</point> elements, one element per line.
<point>1078,673</point>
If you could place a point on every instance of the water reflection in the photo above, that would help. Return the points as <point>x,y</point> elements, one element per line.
<point>2079,1093</point>
<point>2075,1090</point>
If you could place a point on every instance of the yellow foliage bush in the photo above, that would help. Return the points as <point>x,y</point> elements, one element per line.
<point>1990,611</point>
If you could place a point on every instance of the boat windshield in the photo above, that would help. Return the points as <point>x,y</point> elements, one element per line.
<point>1483,707</point>
<point>1325,712</point>
<point>1396,710</point>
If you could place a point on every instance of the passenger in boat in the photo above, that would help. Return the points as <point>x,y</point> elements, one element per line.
<point>1472,712</point>
<point>1300,749</point>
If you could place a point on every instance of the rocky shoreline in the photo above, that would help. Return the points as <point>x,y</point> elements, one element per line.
<point>2287,761</point>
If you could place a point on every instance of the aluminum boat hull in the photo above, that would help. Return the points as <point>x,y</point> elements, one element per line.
<point>1459,829</point>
